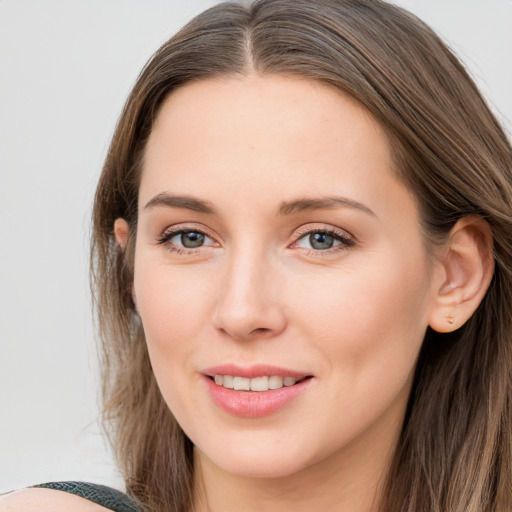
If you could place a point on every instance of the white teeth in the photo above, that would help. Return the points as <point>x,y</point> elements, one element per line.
<point>289,381</point>
<point>275,382</point>
<point>255,384</point>
<point>228,381</point>
<point>241,383</point>
<point>259,384</point>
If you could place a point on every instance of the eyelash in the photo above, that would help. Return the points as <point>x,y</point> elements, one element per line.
<point>168,235</point>
<point>346,241</point>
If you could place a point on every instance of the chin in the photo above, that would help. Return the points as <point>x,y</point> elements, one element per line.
<point>256,461</point>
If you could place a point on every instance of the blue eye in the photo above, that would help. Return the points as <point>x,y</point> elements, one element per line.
<point>324,240</point>
<point>185,239</point>
<point>189,239</point>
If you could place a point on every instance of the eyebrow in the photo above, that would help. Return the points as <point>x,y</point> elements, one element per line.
<point>286,208</point>
<point>182,202</point>
<point>321,203</point>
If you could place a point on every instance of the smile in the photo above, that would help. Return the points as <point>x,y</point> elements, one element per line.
<point>264,383</point>
<point>255,391</point>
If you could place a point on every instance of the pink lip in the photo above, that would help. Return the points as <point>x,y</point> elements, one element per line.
<point>253,404</point>
<point>259,370</point>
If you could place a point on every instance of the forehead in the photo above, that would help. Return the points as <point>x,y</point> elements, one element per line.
<point>235,108</point>
<point>244,136</point>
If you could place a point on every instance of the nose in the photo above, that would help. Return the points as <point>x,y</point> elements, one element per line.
<point>249,304</point>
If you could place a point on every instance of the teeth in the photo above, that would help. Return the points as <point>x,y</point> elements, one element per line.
<point>228,381</point>
<point>256,384</point>
<point>289,381</point>
<point>259,384</point>
<point>275,382</point>
<point>241,383</point>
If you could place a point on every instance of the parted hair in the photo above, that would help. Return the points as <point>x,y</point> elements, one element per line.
<point>455,449</point>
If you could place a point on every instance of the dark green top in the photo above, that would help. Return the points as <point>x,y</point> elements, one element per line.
<point>105,496</point>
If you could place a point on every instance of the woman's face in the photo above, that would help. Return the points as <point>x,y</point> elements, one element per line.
<point>274,246</point>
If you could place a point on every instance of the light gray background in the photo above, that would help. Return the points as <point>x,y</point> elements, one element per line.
<point>66,68</point>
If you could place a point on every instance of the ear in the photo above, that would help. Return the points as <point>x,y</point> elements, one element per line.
<point>468,266</point>
<point>121,230</point>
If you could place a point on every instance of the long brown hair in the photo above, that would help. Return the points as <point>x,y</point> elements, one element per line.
<point>455,451</point>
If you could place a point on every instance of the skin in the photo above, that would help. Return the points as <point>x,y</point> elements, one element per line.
<point>353,317</point>
<point>46,500</point>
<point>256,292</point>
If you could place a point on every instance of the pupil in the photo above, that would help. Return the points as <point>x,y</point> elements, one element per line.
<point>192,239</point>
<point>321,241</point>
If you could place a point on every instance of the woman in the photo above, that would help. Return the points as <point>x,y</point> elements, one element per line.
<point>301,259</point>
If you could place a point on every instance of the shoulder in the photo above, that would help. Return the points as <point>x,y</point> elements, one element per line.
<point>46,500</point>
<point>65,496</point>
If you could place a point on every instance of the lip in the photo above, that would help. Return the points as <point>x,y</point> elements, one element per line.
<point>250,372</point>
<point>254,404</point>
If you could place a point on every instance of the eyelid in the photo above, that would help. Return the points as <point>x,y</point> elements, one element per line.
<point>347,240</point>
<point>316,227</point>
<point>323,228</point>
<point>171,231</point>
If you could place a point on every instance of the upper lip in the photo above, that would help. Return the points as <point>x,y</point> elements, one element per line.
<point>257,370</point>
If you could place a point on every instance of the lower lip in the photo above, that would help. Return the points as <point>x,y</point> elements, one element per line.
<point>254,404</point>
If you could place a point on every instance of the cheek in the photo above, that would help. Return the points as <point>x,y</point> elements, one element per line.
<point>367,326</point>
<point>172,304</point>
<point>169,296</point>
<point>368,319</point>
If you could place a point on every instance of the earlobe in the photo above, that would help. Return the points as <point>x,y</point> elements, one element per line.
<point>121,230</point>
<point>468,266</point>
